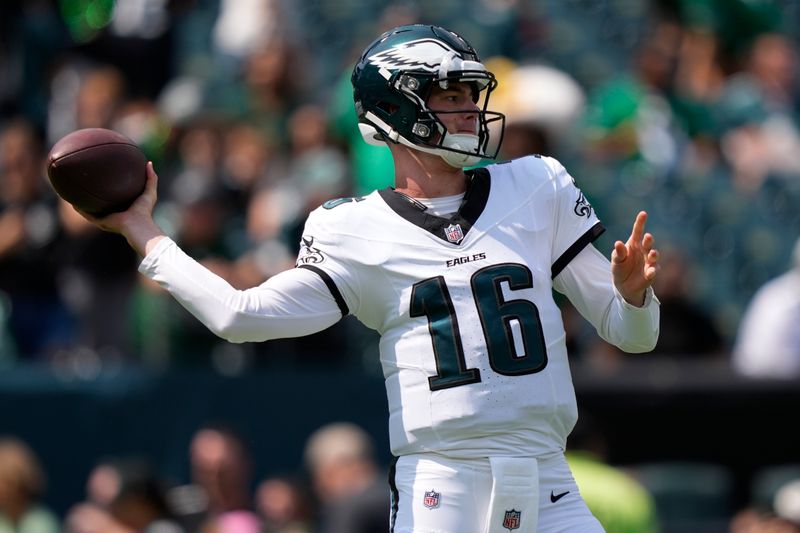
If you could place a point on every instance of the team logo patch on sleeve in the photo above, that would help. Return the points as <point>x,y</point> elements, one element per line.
<point>582,206</point>
<point>309,254</point>
<point>431,499</point>
<point>512,519</point>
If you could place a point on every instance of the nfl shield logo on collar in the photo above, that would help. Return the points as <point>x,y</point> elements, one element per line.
<point>431,499</point>
<point>512,519</point>
<point>454,233</point>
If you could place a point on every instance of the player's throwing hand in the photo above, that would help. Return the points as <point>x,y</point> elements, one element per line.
<point>136,223</point>
<point>634,264</point>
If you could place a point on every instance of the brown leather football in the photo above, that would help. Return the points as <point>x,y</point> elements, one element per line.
<point>99,171</point>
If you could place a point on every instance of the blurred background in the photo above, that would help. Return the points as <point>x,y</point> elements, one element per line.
<point>120,412</point>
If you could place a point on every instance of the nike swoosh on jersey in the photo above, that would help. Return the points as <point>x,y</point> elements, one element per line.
<point>555,497</point>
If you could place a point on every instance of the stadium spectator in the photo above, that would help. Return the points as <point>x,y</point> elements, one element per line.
<point>141,504</point>
<point>619,501</point>
<point>220,493</point>
<point>22,485</point>
<point>84,94</point>
<point>283,505</point>
<point>768,344</point>
<point>39,320</point>
<point>758,105</point>
<point>629,118</point>
<point>96,274</point>
<point>96,279</point>
<point>123,496</point>
<point>754,521</point>
<point>354,496</point>
<point>542,105</point>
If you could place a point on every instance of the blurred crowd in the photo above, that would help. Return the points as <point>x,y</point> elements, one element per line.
<point>341,487</point>
<point>689,109</point>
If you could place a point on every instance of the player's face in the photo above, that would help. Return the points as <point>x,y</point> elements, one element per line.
<point>457,111</point>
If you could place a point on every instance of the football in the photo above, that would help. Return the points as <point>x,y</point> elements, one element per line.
<point>98,171</point>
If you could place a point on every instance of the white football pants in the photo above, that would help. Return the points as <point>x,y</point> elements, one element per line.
<point>435,494</point>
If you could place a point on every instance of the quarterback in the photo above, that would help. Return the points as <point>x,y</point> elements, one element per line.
<point>455,269</point>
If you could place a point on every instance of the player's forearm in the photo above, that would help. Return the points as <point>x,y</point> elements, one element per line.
<point>587,283</point>
<point>291,304</point>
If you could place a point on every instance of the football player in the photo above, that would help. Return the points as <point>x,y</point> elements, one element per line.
<point>455,269</point>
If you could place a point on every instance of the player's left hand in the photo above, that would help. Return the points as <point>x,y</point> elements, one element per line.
<point>634,264</point>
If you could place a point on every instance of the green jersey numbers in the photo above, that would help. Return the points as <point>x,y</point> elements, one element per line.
<point>330,204</point>
<point>430,298</point>
<point>512,329</point>
<point>501,319</point>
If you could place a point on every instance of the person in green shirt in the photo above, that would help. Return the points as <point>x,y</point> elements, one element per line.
<point>619,501</point>
<point>615,498</point>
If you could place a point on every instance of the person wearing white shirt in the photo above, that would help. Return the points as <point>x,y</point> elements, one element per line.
<point>768,343</point>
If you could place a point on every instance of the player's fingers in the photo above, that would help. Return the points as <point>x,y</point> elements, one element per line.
<point>652,267</point>
<point>638,227</point>
<point>151,186</point>
<point>152,177</point>
<point>647,243</point>
<point>619,253</point>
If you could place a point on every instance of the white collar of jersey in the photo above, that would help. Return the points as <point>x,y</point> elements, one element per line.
<point>442,206</point>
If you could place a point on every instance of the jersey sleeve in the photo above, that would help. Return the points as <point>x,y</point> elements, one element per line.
<point>323,252</point>
<point>291,304</point>
<point>575,222</point>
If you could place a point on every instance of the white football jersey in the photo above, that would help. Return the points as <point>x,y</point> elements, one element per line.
<point>472,343</point>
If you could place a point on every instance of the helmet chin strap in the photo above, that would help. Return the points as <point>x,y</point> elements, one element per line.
<point>455,141</point>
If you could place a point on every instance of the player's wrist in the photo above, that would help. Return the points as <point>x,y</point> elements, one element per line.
<point>142,235</point>
<point>635,298</point>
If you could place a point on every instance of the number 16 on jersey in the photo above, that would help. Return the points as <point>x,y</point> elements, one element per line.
<point>499,319</point>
